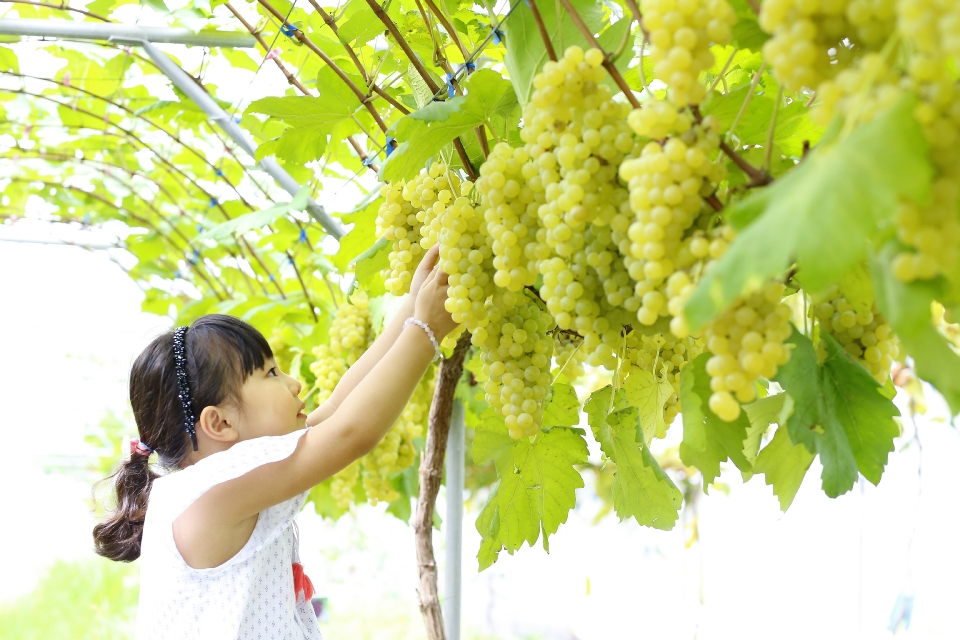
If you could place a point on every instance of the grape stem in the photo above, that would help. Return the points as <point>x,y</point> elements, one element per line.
<point>639,17</point>
<point>542,28</point>
<point>754,4</point>
<point>431,473</point>
<point>607,63</point>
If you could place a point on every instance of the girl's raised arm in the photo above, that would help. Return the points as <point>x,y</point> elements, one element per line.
<point>356,427</point>
<point>359,370</point>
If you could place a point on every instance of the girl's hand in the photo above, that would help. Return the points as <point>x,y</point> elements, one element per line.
<point>423,270</point>
<point>429,305</point>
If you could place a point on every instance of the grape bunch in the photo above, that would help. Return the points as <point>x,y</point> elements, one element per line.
<point>814,39</point>
<point>569,357</point>
<point>328,367</point>
<point>681,33</point>
<point>667,182</point>
<point>747,341</point>
<point>351,333</point>
<point>516,353</point>
<point>409,218</point>
<point>342,484</point>
<point>862,332</point>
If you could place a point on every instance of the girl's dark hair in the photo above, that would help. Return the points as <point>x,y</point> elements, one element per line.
<point>221,351</point>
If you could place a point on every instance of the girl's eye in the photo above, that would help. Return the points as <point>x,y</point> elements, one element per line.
<point>273,370</point>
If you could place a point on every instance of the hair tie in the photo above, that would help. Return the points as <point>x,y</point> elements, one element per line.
<point>131,446</point>
<point>180,360</point>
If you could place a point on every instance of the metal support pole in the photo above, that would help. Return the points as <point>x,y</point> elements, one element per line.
<point>187,84</point>
<point>454,524</point>
<point>106,30</point>
<point>143,36</point>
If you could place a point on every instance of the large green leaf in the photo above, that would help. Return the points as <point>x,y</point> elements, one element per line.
<point>840,413</point>
<point>708,440</point>
<point>423,133</point>
<point>361,237</point>
<point>907,308</point>
<point>783,465</point>
<point>536,488</point>
<point>823,213</point>
<point>641,489</point>
<point>562,408</point>
<point>648,393</point>
<point>761,414</point>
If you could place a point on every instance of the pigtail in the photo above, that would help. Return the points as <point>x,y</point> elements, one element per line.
<point>119,536</point>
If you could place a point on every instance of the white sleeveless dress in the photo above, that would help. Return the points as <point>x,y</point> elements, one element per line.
<point>250,596</point>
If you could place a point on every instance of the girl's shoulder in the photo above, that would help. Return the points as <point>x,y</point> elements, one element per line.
<point>186,485</point>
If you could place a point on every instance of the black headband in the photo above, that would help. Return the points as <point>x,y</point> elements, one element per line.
<point>180,358</point>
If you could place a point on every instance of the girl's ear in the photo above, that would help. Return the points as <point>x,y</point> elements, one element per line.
<point>217,425</point>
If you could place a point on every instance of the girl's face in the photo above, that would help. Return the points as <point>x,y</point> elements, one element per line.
<point>271,406</point>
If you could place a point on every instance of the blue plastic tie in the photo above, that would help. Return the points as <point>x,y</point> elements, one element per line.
<point>199,228</point>
<point>177,274</point>
<point>451,91</point>
<point>237,120</point>
<point>367,161</point>
<point>86,218</point>
<point>272,279</point>
<point>290,260</point>
<point>497,36</point>
<point>288,30</point>
<point>470,67</point>
<point>213,202</point>
<point>389,147</point>
<point>219,173</point>
<point>303,236</point>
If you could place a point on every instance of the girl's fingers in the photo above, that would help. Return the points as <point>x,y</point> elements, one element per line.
<point>442,278</point>
<point>429,259</point>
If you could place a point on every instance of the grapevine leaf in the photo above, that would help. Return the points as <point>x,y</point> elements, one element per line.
<point>562,408</point>
<point>648,393</point>
<point>708,440</point>
<point>536,488</point>
<point>783,465</point>
<point>822,214</point>
<point>907,308</point>
<point>368,266</point>
<point>257,219</point>
<point>334,105</point>
<point>840,413</point>
<point>525,50</point>
<point>423,133</point>
<point>8,60</point>
<point>360,238</point>
<point>641,489</point>
<point>761,414</point>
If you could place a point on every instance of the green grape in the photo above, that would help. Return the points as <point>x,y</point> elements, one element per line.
<point>681,34</point>
<point>862,333</point>
<point>510,216</point>
<point>569,356</point>
<point>666,181</point>
<point>516,353</point>
<point>341,487</point>
<point>351,332</point>
<point>814,39</point>
<point>466,256</point>
<point>747,341</point>
<point>328,368</point>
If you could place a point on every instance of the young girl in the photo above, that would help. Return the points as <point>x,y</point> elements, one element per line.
<point>216,537</point>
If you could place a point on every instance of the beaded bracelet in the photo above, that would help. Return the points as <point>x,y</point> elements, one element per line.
<point>423,325</point>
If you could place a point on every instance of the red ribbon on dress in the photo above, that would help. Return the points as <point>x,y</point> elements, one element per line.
<point>301,584</point>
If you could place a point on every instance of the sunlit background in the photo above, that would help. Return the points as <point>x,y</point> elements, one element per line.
<point>879,562</point>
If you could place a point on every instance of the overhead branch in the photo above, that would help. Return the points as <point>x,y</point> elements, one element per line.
<point>607,62</point>
<point>303,38</point>
<point>542,28</point>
